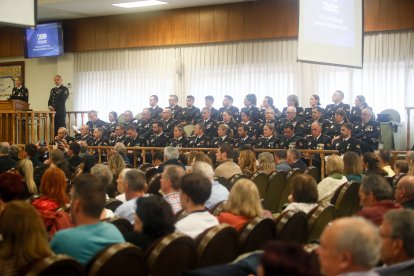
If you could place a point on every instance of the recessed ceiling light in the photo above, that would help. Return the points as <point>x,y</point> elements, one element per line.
<point>137,4</point>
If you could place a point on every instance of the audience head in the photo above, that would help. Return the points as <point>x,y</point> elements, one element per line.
<point>120,181</point>
<point>31,150</point>
<point>346,130</point>
<point>93,115</point>
<point>374,188</point>
<point>244,199</point>
<point>243,130</point>
<point>366,115</point>
<point>348,245</point>
<point>204,169</point>
<point>128,116</point>
<point>190,100</point>
<point>267,102</point>
<point>340,116</point>
<point>145,114</point>
<point>116,164</point>
<point>134,183</point>
<point>53,186</point>
<point>158,158</point>
<point>173,100</point>
<point>119,130</point>
<point>56,155</point>
<point>397,234</point>
<point>288,130</point>
<point>103,173</point>
<point>225,152</point>
<point>171,179</point>
<point>314,100</point>
<point>205,113</point>
<point>171,153</point>
<point>153,217</point>
<point>194,191</point>
<point>224,130</point>
<point>14,152</point>
<point>166,114</point>
<point>179,131</point>
<point>290,112</point>
<point>88,162</point>
<point>371,163</point>
<point>157,127</point>
<point>316,130</point>
<point>74,149</point>
<point>24,237</point>
<point>120,148</point>
<point>266,162</point>
<point>227,116</point>
<point>304,189</point>
<point>62,132</point>
<point>11,187</point>
<point>113,117</point>
<point>293,100</point>
<point>338,96</point>
<point>334,165</point>
<point>270,114</point>
<point>280,155</point>
<point>131,131</point>
<point>247,161</point>
<point>195,156</point>
<point>153,100</point>
<point>88,199</point>
<point>245,116</point>
<point>250,100</point>
<point>25,167</point>
<point>227,101</point>
<point>85,130</point>
<point>352,163</point>
<point>404,190</point>
<point>385,157</point>
<point>198,129</point>
<point>401,166</point>
<point>293,155</point>
<point>83,147</point>
<point>360,101</point>
<point>209,101</point>
<point>268,130</point>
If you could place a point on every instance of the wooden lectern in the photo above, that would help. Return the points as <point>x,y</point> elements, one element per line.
<point>9,112</point>
<point>14,105</point>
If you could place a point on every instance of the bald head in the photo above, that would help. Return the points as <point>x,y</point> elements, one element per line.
<point>366,115</point>
<point>404,191</point>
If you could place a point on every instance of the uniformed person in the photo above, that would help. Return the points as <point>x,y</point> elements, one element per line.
<point>292,100</point>
<point>345,142</point>
<point>199,140</point>
<point>19,92</point>
<point>168,122</point>
<point>57,101</point>
<point>109,128</point>
<point>190,114</point>
<point>134,140</point>
<point>250,107</point>
<point>144,126</point>
<point>224,135</point>
<point>62,136</point>
<point>335,127</point>
<point>290,140</point>
<point>209,101</point>
<point>129,119</point>
<point>293,120</point>
<point>94,121</point>
<point>330,109</point>
<point>118,136</point>
<point>270,118</point>
<point>180,140</point>
<point>228,120</point>
<point>360,103</point>
<point>368,131</point>
<point>316,141</point>
<point>228,106</point>
<point>245,120</point>
<point>314,101</point>
<point>154,108</point>
<point>85,135</point>
<point>99,140</point>
<point>175,109</point>
<point>317,117</point>
<point>244,138</point>
<point>268,103</point>
<point>268,140</point>
<point>209,125</point>
<point>158,138</point>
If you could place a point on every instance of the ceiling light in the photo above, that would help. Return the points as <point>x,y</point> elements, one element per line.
<point>137,4</point>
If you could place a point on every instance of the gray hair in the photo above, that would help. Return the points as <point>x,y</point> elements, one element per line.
<point>83,146</point>
<point>361,238</point>
<point>120,148</point>
<point>135,179</point>
<point>174,173</point>
<point>4,148</point>
<point>103,172</point>
<point>402,224</point>
<point>14,151</point>
<point>407,183</point>
<point>378,186</point>
<point>295,153</point>
<point>203,168</point>
<point>64,129</point>
<point>171,152</point>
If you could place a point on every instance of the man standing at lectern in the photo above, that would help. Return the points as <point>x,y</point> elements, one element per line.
<point>57,100</point>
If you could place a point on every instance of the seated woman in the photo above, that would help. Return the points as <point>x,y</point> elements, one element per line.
<point>247,162</point>
<point>153,220</point>
<point>266,163</point>
<point>242,205</point>
<point>224,135</point>
<point>314,101</point>
<point>359,104</point>
<point>334,179</point>
<point>116,165</point>
<point>293,100</point>
<point>24,239</point>
<point>371,164</point>
<point>335,128</point>
<point>269,139</point>
<point>180,137</point>
<point>304,196</point>
<point>25,168</point>
<point>228,120</point>
<point>352,166</point>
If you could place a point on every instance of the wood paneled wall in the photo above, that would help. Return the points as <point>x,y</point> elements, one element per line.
<point>222,23</point>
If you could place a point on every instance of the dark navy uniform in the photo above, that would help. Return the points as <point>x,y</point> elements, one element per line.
<point>117,139</point>
<point>176,111</point>
<point>99,142</point>
<point>299,126</point>
<point>168,128</point>
<point>369,134</point>
<point>57,99</point>
<point>218,141</point>
<point>190,115</point>
<point>295,142</point>
<point>271,142</point>
<point>214,113</point>
<point>144,128</point>
<point>322,142</point>
<point>332,108</point>
<point>134,142</point>
<point>325,124</point>
<point>260,126</point>
<point>252,128</point>
<point>232,125</point>
<point>181,142</point>
<point>133,123</point>
<point>109,128</point>
<point>342,145</point>
<point>254,113</point>
<point>199,142</point>
<point>234,111</point>
<point>156,112</point>
<point>159,140</point>
<point>68,139</point>
<point>210,128</point>
<point>299,112</point>
<point>334,129</point>
<point>21,94</point>
<point>355,116</point>
<point>307,114</point>
<point>96,124</point>
<point>86,138</point>
<point>240,142</point>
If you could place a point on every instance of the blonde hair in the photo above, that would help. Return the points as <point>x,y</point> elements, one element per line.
<point>334,165</point>
<point>247,161</point>
<point>56,155</point>
<point>116,164</point>
<point>195,156</point>
<point>25,240</point>
<point>244,199</point>
<point>25,166</point>
<point>266,162</point>
<point>227,129</point>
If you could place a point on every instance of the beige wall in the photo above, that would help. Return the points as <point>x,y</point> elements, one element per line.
<point>39,74</point>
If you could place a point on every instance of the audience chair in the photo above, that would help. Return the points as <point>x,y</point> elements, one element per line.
<point>223,181</point>
<point>234,178</point>
<point>314,172</point>
<point>261,180</point>
<point>390,180</point>
<point>396,179</point>
<point>124,226</point>
<point>112,204</point>
<point>255,234</point>
<point>217,245</point>
<point>171,255</point>
<point>292,226</point>
<point>154,185</point>
<point>218,208</point>
<point>117,259</point>
<point>287,190</point>
<point>61,265</point>
<point>335,196</point>
<point>145,167</point>
<point>277,183</point>
<point>149,173</point>
<point>347,203</point>
<point>180,215</point>
<point>318,219</point>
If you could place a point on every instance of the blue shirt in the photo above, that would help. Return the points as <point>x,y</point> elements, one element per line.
<point>219,193</point>
<point>84,242</point>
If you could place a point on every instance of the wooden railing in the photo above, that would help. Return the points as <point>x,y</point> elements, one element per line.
<point>75,118</point>
<point>21,127</point>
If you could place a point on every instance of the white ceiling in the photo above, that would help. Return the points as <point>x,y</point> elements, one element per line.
<point>67,9</point>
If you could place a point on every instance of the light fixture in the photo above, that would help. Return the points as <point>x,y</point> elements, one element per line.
<point>138,4</point>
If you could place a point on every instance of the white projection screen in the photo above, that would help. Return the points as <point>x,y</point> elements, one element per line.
<point>331,32</point>
<point>18,12</point>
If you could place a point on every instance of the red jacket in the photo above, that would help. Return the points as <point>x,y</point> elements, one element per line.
<point>375,212</point>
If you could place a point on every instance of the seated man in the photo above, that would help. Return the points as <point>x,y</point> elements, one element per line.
<point>91,235</point>
<point>227,167</point>
<point>293,158</point>
<point>11,188</point>
<point>73,153</point>
<point>6,163</point>
<point>281,161</point>
<point>376,198</point>
<point>170,186</point>
<point>134,187</point>
<point>171,155</point>
<point>397,247</point>
<point>219,193</point>
<point>349,246</point>
<point>404,192</point>
<point>194,192</point>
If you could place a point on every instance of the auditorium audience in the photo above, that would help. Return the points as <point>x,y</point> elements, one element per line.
<point>6,163</point>
<point>386,161</point>
<point>90,235</point>
<point>266,163</point>
<point>397,246</point>
<point>171,155</point>
<point>352,166</point>
<point>218,192</point>
<point>295,161</point>
<point>376,198</point>
<point>349,246</point>
<point>11,188</point>
<point>153,220</point>
<point>194,192</point>
<point>371,164</point>
<point>334,179</point>
<point>247,162</point>
<point>134,185</point>
<point>227,167</point>
<point>281,161</point>
<point>242,205</point>
<point>170,186</point>
<point>304,195</point>
<point>25,168</point>
<point>400,167</point>
<point>404,192</point>
<point>24,240</point>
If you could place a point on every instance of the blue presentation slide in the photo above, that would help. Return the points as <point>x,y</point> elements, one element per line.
<point>44,40</point>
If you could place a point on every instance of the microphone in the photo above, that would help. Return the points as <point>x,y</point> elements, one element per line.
<point>5,89</point>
